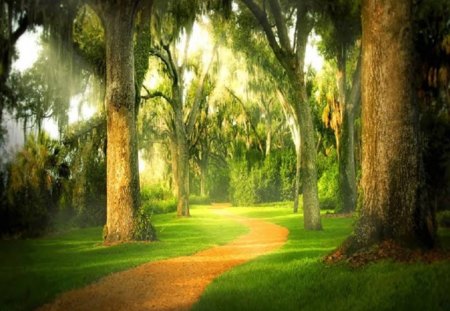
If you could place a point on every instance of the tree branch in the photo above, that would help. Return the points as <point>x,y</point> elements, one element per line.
<point>23,26</point>
<point>167,61</point>
<point>156,94</point>
<point>281,25</point>
<point>261,17</point>
<point>173,65</point>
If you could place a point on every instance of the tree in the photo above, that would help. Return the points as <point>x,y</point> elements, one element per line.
<point>185,101</point>
<point>291,56</point>
<point>339,29</point>
<point>16,17</point>
<point>118,19</point>
<point>393,203</point>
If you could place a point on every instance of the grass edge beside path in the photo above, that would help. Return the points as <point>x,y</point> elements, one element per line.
<point>35,271</point>
<point>295,278</point>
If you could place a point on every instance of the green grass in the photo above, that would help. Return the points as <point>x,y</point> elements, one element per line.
<point>294,278</point>
<point>33,272</point>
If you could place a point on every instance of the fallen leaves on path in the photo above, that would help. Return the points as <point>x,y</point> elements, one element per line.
<point>173,284</point>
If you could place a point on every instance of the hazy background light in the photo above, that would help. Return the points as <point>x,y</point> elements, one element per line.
<point>28,49</point>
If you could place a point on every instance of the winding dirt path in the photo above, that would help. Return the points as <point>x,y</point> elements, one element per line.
<point>177,283</point>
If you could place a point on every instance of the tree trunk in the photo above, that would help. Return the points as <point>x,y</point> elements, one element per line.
<point>298,156</point>
<point>174,155</point>
<point>203,175</point>
<point>308,170</point>
<point>183,164</point>
<point>268,132</point>
<point>394,205</point>
<point>122,167</point>
<point>346,158</point>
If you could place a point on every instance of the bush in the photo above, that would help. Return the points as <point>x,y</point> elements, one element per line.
<point>242,189</point>
<point>32,189</point>
<point>287,174</point>
<point>270,180</point>
<point>198,199</point>
<point>157,200</point>
<point>218,182</point>
<point>154,192</point>
<point>328,184</point>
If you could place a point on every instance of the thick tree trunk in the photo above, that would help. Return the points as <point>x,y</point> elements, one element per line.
<point>394,206</point>
<point>346,158</point>
<point>122,172</point>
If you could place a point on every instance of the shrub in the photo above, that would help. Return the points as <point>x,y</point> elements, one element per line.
<point>156,199</point>
<point>242,189</point>
<point>218,182</point>
<point>198,199</point>
<point>328,184</point>
<point>32,189</point>
<point>288,164</point>
<point>270,180</point>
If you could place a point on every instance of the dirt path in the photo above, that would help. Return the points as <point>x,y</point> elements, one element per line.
<point>173,284</point>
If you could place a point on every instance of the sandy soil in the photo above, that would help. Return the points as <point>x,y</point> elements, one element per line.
<point>173,284</point>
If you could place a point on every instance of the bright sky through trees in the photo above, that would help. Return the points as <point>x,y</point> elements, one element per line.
<point>28,48</point>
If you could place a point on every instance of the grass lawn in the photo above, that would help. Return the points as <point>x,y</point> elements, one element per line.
<point>294,278</point>
<point>33,271</point>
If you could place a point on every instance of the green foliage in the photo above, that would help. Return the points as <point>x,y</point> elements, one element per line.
<point>242,188</point>
<point>218,182</point>
<point>328,184</point>
<point>199,200</point>
<point>89,38</point>
<point>157,200</point>
<point>34,184</point>
<point>253,181</point>
<point>287,174</point>
<point>86,192</point>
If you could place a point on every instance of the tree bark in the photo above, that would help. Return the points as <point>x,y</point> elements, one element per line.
<point>174,155</point>
<point>294,67</point>
<point>298,166</point>
<point>122,162</point>
<point>183,164</point>
<point>203,174</point>
<point>394,205</point>
<point>308,169</point>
